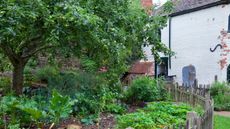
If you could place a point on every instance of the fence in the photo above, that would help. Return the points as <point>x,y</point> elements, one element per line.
<point>194,96</point>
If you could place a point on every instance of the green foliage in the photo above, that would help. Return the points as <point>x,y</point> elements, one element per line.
<point>25,111</point>
<point>13,126</point>
<point>89,120</point>
<point>199,110</point>
<point>4,63</point>
<point>155,116</point>
<point>115,108</point>
<point>5,85</point>
<point>60,106</point>
<point>219,88</point>
<point>146,89</point>
<point>220,92</point>
<point>88,64</point>
<point>109,33</point>
<point>46,73</point>
<point>29,77</point>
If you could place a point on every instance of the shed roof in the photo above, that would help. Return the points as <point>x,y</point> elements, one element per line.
<point>142,68</point>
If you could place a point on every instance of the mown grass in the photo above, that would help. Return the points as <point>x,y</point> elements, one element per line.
<point>221,122</point>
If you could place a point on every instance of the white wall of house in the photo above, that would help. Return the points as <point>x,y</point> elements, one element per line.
<point>193,34</point>
<point>148,53</point>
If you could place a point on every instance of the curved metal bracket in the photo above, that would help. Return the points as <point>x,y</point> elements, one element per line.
<point>218,45</point>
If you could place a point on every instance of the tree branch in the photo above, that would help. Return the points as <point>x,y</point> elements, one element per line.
<point>32,40</point>
<point>34,51</point>
<point>10,54</point>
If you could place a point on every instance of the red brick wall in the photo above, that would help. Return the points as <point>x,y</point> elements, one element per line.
<point>147,4</point>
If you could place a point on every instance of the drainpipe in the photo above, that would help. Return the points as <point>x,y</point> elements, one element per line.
<point>170,29</point>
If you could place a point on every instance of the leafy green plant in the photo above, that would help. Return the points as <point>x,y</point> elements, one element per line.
<point>145,89</point>
<point>30,107</point>
<point>89,120</point>
<point>219,88</point>
<point>5,85</point>
<point>60,106</point>
<point>25,111</point>
<point>199,110</point>
<point>88,65</point>
<point>220,92</point>
<point>155,115</point>
<point>9,107</point>
<point>46,73</point>
<point>13,126</point>
<point>115,108</point>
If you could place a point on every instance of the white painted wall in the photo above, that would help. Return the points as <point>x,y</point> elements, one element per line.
<point>192,36</point>
<point>148,53</point>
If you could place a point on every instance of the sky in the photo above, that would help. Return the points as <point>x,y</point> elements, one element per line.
<point>159,2</point>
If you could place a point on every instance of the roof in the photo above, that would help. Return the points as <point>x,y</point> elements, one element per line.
<point>142,68</point>
<point>182,5</point>
<point>187,6</point>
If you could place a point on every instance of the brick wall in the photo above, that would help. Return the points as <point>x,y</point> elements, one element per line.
<point>147,4</point>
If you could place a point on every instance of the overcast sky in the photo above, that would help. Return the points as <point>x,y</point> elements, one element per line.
<point>159,1</point>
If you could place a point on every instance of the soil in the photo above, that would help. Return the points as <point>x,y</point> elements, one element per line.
<point>107,121</point>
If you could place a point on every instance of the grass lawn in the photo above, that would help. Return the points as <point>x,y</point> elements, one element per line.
<point>221,122</point>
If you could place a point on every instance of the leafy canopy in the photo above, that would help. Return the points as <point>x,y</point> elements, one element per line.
<point>105,30</point>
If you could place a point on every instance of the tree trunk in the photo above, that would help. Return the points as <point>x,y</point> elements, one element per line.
<point>18,78</point>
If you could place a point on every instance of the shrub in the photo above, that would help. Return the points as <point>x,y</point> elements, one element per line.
<point>219,88</point>
<point>115,108</point>
<point>90,90</point>
<point>5,85</point>
<point>27,111</point>
<point>145,89</point>
<point>46,73</point>
<point>60,106</point>
<point>220,92</point>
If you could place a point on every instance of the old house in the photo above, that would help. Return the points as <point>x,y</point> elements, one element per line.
<point>198,31</point>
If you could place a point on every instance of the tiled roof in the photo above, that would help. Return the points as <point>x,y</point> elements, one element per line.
<point>185,6</point>
<point>181,5</point>
<point>142,68</point>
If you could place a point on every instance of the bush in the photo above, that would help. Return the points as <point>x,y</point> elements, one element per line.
<point>219,88</point>
<point>155,115</point>
<point>91,91</point>
<point>115,108</point>
<point>5,85</point>
<point>26,111</point>
<point>46,73</point>
<point>146,89</point>
<point>220,92</point>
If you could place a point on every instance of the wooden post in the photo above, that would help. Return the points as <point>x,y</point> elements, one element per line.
<point>198,123</point>
<point>191,119</point>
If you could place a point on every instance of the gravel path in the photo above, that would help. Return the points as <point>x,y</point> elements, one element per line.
<point>223,113</point>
